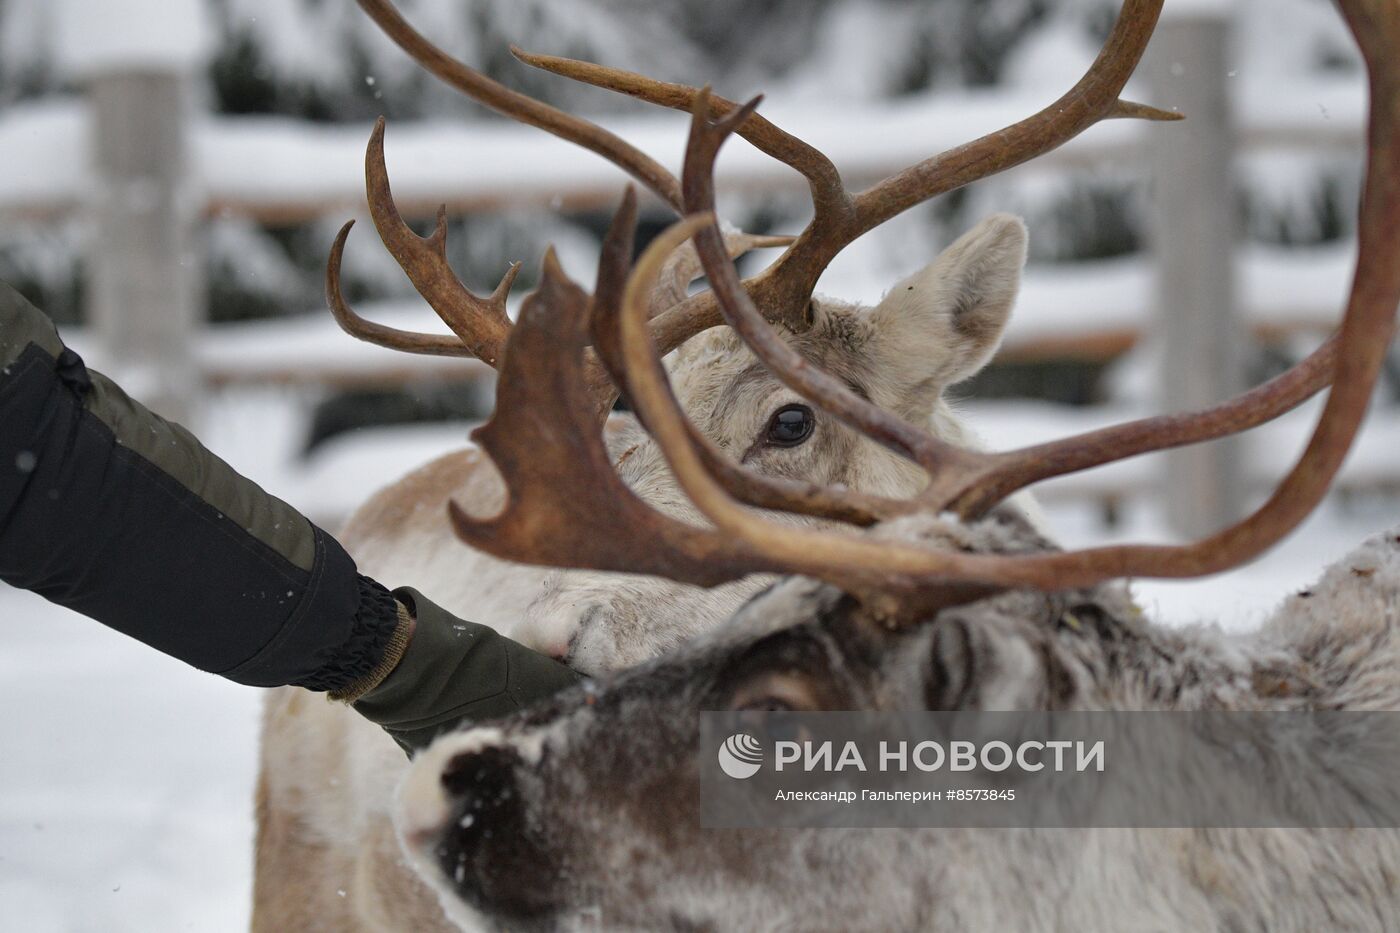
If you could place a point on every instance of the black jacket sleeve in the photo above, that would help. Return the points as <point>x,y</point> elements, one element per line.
<point>110,510</point>
<point>107,509</point>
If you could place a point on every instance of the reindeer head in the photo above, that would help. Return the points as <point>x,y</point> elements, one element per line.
<point>582,813</point>
<point>584,809</point>
<point>935,328</point>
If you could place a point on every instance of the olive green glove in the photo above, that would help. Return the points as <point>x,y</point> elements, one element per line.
<point>441,670</point>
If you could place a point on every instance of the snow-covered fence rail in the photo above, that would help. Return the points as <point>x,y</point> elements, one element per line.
<point>308,350</point>
<point>280,170</point>
<point>285,171</point>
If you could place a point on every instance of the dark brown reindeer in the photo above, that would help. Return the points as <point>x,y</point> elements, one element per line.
<point>583,812</point>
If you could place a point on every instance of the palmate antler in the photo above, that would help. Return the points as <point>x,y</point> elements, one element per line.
<point>899,580</point>
<point>566,506</point>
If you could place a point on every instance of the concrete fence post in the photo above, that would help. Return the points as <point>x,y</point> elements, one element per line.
<point>1194,235</point>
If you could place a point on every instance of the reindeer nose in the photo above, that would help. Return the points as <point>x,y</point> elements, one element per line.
<point>482,802</point>
<point>484,846</point>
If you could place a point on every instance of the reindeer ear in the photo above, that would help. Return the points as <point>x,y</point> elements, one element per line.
<point>943,323</point>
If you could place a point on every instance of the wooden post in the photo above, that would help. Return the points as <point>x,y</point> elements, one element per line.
<point>1194,235</point>
<point>144,276</point>
<point>145,295</point>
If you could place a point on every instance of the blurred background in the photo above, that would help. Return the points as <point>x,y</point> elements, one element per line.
<point>174,172</point>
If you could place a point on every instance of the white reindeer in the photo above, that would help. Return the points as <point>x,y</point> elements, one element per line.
<point>327,858</point>
<point>584,812</point>
<point>539,830</point>
<point>326,776</point>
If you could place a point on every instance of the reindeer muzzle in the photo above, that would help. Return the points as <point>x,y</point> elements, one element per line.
<point>469,818</point>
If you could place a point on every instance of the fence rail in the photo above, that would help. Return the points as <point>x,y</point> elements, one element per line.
<point>285,171</point>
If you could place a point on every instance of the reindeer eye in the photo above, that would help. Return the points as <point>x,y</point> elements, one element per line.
<point>776,692</point>
<point>790,426</point>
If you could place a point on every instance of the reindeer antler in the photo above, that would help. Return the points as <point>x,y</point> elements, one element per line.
<point>565,505</point>
<point>480,324</point>
<point>784,288</point>
<point>906,576</point>
<point>902,580</point>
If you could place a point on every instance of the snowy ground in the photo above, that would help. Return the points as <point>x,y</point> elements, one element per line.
<point>126,778</point>
<point>125,782</point>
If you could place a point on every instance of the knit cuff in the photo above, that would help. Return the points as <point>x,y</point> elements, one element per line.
<point>393,652</point>
<point>372,629</point>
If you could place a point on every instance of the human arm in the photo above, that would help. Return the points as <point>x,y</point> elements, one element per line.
<point>118,514</point>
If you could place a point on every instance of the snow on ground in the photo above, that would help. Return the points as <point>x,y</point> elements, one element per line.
<point>1239,600</point>
<point>126,781</point>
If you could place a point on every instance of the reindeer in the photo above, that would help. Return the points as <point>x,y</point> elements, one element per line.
<point>326,777</point>
<point>528,824</point>
<point>583,811</point>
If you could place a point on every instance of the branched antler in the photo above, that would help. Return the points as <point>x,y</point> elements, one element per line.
<point>567,507</point>
<point>902,578</point>
<point>481,324</point>
<point>784,288</point>
<point>571,509</point>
